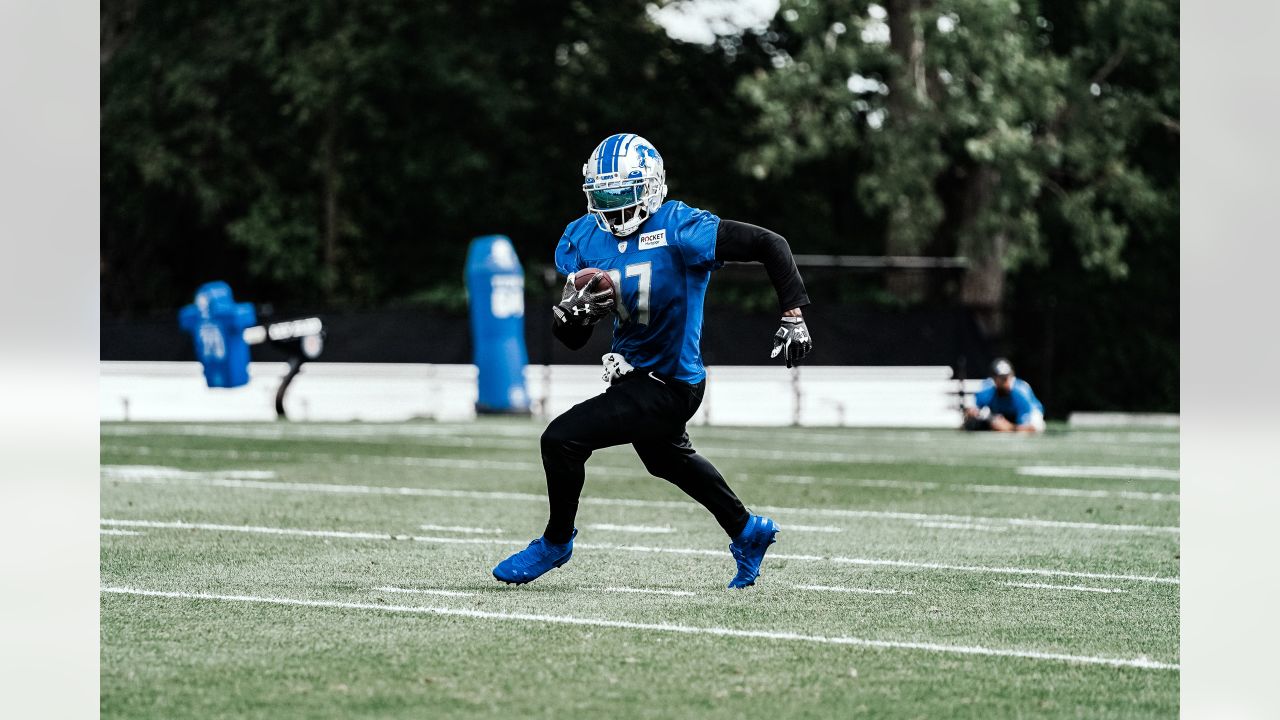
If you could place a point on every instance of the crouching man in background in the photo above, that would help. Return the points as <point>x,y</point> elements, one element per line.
<point>1005,404</point>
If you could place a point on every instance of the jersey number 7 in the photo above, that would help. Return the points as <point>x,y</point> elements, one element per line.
<point>644,271</point>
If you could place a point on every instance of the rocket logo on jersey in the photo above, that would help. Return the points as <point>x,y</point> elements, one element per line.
<point>657,238</point>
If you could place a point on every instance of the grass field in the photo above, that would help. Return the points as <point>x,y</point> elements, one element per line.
<point>321,570</point>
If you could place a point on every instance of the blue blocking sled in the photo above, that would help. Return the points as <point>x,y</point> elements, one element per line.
<point>216,323</point>
<point>495,292</point>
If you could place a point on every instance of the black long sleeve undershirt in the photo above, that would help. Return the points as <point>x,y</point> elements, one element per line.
<point>743,242</point>
<point>735,242</point>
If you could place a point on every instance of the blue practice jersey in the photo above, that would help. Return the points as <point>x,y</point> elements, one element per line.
<point>661,273</point>
<point>1018,406</point>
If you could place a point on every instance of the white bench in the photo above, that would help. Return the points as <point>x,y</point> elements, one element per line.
<point>737,395</point>
<point>833,396</point>
<point>1120,419</point>
<point>382,392</point>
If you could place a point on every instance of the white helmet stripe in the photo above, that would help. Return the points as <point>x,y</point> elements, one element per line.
<point>621,149</point>
<point>609,154</point>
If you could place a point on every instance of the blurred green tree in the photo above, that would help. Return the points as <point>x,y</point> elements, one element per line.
<point>346,152</point>
<point>974,122</point>
<point>1039,138</point>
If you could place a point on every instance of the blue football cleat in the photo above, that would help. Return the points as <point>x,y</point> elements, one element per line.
<point>534,561</point>
<point>749,547</point>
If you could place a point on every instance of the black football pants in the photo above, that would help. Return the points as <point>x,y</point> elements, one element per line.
<point>649,412</point>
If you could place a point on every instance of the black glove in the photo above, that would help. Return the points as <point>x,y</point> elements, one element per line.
<point>792,341</point>
<point>586,306</point>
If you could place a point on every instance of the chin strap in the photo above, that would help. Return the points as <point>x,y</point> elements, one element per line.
<point>630,226</point>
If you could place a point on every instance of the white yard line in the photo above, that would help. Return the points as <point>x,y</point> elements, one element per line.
<point>355,433</point>
<point>955,459</point>
<point>848,482</point>
<point>300,532</point>
<point>426,591</point>
<point>357,535</point>
<point>784,479</point>
<point>1119,472</point>
<point>229,454</point>
<point>1002,570</point>
<point>872,591</point>
<point>1072,492</point>
<point>812,528</point>
<point>897,484</point>
<point>922,485</point>
<point>1144,663</point>
<point>631,528</point>
<point>969,458</point>
<point>463,530</point>
<point>108,531</point>
<point>336,488</point>
<point>355,458</point>
<point>1081,588</point>
<point>938,517</point>
<point>960,526</point>
<point>135,472</point>
<point>648,591</point>
<point>130,472</point>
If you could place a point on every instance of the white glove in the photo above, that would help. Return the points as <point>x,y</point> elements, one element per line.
<point>792,341</point>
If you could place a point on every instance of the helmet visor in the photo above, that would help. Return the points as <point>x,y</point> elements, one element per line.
<point>615,197</point>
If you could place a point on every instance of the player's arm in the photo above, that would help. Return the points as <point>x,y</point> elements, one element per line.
<point>743,242</point>
<point>573,336</point>
<point>1000,423</point>
<point>1030,418</point>
<point>981,401</point>
<point>576,314</point>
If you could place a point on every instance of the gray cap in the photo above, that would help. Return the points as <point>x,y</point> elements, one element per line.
<point>1000,368</point>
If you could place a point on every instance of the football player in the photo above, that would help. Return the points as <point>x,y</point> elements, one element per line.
<point>658,257</point>
<point>1005,403</point>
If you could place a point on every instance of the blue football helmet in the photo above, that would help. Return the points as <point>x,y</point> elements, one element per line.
<point>625,182</point>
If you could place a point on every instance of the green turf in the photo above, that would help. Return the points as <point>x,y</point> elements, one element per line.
<point>181,657</point>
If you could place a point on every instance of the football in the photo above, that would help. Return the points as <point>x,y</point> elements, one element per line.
<point>583,276</point>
